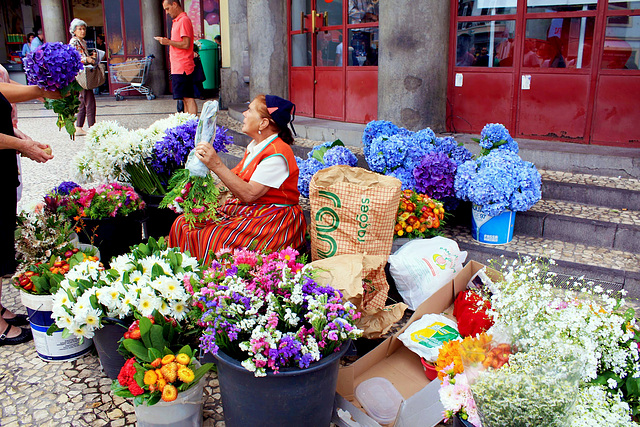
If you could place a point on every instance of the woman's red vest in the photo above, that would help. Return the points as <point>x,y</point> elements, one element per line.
<point>288,193</point>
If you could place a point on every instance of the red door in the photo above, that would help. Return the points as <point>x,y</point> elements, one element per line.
<point>333,70</point>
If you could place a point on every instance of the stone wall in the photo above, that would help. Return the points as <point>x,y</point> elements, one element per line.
<point>233,88</point>
<point>413,63</point>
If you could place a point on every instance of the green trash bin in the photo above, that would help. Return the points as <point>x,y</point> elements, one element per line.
<point>210,58</point>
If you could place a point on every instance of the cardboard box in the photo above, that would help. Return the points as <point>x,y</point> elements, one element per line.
<point>393,361</point>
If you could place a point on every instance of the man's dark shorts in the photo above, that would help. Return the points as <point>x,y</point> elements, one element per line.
<point>182,85</point>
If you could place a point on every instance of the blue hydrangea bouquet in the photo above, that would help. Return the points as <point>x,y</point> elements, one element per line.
<point>498,179</point>
<point>54,66</point>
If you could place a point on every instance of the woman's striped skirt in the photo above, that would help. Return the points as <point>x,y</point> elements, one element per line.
<point>258,227</point>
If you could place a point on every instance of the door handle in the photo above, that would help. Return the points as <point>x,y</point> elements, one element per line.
<point>302,26</point>
<point>313,22</point>
<point>325,19</point>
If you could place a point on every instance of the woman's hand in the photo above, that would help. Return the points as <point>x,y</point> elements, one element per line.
<point>35,151</point>
<point>51,94</point>
<point>208,155</point>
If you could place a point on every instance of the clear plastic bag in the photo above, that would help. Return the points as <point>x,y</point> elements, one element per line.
<point>206,131</point>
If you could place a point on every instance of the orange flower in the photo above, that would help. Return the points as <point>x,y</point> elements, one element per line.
<point>168,359</point>
<point>449,353</point>
<point>169,393</point>
<point>150,377</point>
<point>183,359</point>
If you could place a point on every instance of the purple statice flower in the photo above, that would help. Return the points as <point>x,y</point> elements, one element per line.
<point>222,140</point>
<point>340,156</point>
<point>52,66</point>
<point>65,188</point>
<point>435,176</point>
<point>375,129</point>
<point>171,152</point>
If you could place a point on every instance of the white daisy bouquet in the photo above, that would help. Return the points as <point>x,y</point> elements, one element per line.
<point>110,147</point>
<point>151,277</point>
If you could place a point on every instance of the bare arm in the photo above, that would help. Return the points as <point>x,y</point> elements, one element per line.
<point>247,192</point>
<point>20,93</point>
<point>184,44</point>
<point>27,147</point>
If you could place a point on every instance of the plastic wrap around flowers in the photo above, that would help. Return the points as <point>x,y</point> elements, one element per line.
<point>267,311</point>
<point>54,66</point>
<point>193,190</point>
<point>499,181</point>
<point>321,157</point>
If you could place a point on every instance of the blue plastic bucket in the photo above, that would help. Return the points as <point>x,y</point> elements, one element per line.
<point>493,230</point>
<point>52,348</point>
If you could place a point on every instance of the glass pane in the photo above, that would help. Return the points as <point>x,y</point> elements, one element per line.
<point>560,5</point>
<point>486,7</point>
<point>623,5</point>
<point>301,50</point>
<point>298,7</point>
<point>329,48</point>
<point>133,27</point>
<point>115,43</point>
<point>559,43</point>
<point>363,47</point>
<point>363,11</point>
<point>621,43</point>
<point>334,11</point>
<point>485,44</point>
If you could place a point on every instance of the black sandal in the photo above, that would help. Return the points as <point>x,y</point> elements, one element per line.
<point>25,335</point>
<point>19,320</point>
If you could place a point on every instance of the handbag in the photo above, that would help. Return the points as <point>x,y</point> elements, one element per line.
<point>198,71</point>
<point>91,77</point>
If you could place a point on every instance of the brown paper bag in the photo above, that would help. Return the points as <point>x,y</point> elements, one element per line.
<point>353,210</point>
<point>357,276</point>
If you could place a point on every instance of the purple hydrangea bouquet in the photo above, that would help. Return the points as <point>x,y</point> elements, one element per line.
<point>267,311</point>
<point>54,66</point>
<point>322,156</point>
<point>193,190</point>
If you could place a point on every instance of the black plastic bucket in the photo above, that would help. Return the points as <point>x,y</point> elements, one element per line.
<point>292,397</point>
<point>158,220</point>
<point>106,340</point>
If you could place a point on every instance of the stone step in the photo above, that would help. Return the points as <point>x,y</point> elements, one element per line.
<point>580,223</point>
<point>612,192</point>
<point>615,269</point>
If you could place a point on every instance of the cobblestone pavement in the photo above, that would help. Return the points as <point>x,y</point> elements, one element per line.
<point>77,393</point>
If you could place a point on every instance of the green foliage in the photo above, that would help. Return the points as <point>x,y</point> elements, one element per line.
<point>66,107</point>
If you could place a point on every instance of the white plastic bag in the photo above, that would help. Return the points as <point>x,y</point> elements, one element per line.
<point>206,131</point>
<point>426,335</point>
<point>423,266</point>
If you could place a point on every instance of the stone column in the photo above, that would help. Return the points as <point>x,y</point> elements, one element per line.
<point>413,63</point>
<point>233,87</point>
<point>53,21</point>
<point>152,25</point>
<point>267,22</point>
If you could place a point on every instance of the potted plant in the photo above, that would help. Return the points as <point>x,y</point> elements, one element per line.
<point>46,254</point>
<point>498,183</point>
<point>109,216</point>
<point>164,378</point>
<point>274,332</point>
<point>150,277</point>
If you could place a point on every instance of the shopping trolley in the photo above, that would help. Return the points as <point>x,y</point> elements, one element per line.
<point>134,73</point>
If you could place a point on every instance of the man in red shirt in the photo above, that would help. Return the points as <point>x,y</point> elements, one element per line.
<point>180,55</point>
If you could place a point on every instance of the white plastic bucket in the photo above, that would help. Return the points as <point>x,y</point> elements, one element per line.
<point>52,348</point>
<point>185,411</point>
<point>493,230</point>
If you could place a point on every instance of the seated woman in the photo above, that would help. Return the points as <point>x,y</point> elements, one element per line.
<point>264,212</point>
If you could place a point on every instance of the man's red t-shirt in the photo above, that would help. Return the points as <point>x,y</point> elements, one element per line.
<point>181,59</point>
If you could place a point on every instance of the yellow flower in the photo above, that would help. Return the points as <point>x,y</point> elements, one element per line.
<point>449,353</point>
<point>168,359</point>
<point>183,359</point>
<point>170,372</point>
<point>185,374</point>
<point>150,377</point>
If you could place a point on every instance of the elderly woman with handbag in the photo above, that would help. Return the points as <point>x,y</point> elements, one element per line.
<point>78,29</point>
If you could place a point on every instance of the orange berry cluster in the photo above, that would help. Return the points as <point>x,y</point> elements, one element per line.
<point>418,215</point>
